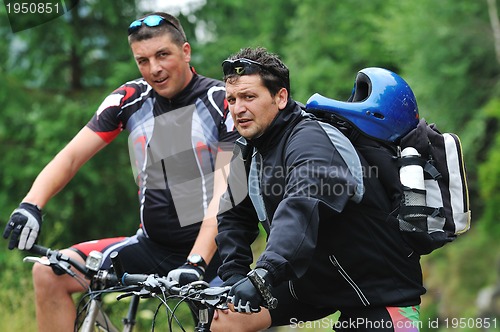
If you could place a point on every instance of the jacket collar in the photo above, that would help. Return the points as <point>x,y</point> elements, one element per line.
<point>182,97</point>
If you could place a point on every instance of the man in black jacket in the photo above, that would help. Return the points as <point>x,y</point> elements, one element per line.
<point>311,190</point>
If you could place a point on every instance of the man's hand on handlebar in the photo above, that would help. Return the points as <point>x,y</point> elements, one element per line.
<point>252,292</point>
<point>186,274</point>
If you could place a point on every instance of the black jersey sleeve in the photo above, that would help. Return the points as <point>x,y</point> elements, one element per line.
<point>112,115</point>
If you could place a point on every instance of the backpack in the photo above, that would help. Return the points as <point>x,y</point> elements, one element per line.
<point>441,212</point>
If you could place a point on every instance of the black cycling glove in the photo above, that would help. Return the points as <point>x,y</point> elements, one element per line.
<point>232,280</point>
<point>23,226</point>
<point>246,297</point>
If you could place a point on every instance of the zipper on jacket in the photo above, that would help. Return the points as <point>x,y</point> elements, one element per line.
<point>291,288</point>
<point>351,282</point>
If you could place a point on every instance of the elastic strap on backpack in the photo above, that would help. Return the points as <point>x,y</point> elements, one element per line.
<point>430,169</point>
<point>427,210</point>
<point>427,165</point>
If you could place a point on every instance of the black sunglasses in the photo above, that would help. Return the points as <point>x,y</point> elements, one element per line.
<point>245,66</point>
<point>241,67</point>
<point>150,21</point>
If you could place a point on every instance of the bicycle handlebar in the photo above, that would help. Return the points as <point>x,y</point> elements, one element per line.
<point>153,283</point>
<point>39,250</point>
<point>133,279</point>
<point>198,291</point>
<point>55,258</point>
<point>62,263</point>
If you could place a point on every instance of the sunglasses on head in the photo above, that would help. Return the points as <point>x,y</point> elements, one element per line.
<point>241,67</point>
<point>244,66</point>
<point>150,21</point>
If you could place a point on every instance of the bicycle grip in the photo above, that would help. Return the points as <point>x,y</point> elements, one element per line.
<point>117,264</point>
<point>259,283</point>
<point>39,250</point>
<point>133,279</point>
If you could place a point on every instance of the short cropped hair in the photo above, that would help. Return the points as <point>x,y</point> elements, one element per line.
<point>173,26</point>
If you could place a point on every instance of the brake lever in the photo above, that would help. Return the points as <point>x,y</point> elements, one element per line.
<point>52,262</point>
<point>217,296</point>
<point>124,295</point>
<point>142,293</point>
<point>33,259</point>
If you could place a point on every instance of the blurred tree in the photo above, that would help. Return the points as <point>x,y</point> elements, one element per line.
<point>350,41</point>
<point>37,125</point>
<point>448,53</point>
<point>446,50</point>
<point>76,50</point>
<point>225,26</point>
<point>55,77</point>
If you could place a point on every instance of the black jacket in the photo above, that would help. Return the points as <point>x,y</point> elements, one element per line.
<point>319,196</point>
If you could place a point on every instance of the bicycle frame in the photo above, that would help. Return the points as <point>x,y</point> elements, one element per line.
<point>96,316</point>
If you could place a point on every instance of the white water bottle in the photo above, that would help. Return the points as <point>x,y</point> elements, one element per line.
<point>411,176</point>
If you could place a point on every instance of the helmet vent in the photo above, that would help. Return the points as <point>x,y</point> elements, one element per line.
<point>362,88</point>
<point>378,115</point>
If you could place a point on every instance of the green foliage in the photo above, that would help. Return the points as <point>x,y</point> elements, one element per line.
<point>17,293</point>
<point>54,76</point>
<point>229,25</point>
<point>447,55</point>
<point>489,174</point>
<point>37,125</point>
<point>75,49</point>
<point>350,41</point>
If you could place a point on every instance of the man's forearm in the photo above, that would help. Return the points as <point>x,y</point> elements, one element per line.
<point>205,243</point>
<point>56,175</point>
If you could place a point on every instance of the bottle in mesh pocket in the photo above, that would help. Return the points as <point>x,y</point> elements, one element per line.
<point>411,175</point>
<point>410,212</point>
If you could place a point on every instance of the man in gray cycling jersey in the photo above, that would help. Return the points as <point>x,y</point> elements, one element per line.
<point>179,130</point>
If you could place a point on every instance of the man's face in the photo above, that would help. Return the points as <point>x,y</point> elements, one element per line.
<point>163,64</point>
<point>252,106</point>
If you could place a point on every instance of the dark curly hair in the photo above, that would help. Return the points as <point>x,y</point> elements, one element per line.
<point>275,73</point>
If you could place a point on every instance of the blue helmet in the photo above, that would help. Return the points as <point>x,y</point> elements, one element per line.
<point>382,105</point>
